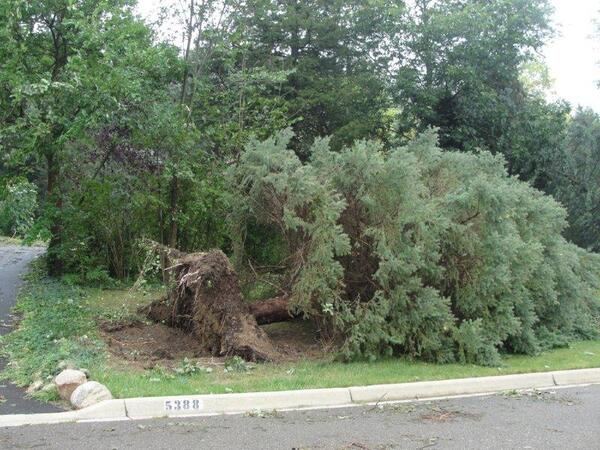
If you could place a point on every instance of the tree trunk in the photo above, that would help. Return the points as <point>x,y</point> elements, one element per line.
<point>266,311</point>
<point>55,262</point>
<point>174,199</point>
<point>208,302</point>
<point>271,310</point>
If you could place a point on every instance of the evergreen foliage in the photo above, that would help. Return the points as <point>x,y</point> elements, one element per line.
<point>576,171</point>
<point>435,254</point>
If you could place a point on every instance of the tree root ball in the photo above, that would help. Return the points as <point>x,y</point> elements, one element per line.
<point>206,300</point>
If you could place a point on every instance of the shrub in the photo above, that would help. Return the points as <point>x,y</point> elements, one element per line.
<point>417,251</point>
<point>101,230</point>
<point>17,208</point>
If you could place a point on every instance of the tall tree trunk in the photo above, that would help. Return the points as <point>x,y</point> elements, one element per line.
<point>186,55</point>
<point>53,196</point>
<point>174,199</point>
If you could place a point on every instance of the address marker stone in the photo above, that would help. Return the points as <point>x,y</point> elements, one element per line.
<point>69,380</point>
<point>89,394</point>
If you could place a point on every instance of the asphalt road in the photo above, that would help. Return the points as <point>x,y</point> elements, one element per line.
<point>561,419</point>
<point>13,263</point>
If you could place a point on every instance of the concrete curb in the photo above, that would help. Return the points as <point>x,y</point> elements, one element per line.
<point>443,388</point>
<point>193,405</point>
<point>108,410</point>
<point>205,405</point>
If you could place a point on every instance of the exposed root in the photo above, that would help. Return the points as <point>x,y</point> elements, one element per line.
<point>206,300</point>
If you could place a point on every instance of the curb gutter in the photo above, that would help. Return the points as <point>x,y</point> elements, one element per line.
<point>215,404</point>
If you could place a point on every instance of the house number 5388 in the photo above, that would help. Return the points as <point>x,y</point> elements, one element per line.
<point>183,405</point>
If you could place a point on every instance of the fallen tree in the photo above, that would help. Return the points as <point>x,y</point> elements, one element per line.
<point>414,250</point>
<point>268,311</point>
<point>272,310</point>
<point>206,300</point>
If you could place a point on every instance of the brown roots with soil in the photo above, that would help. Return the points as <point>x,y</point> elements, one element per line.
<point>206,300</point>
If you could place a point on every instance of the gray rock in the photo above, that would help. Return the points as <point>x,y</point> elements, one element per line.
<point>89,394</point>
<point>69,380</point>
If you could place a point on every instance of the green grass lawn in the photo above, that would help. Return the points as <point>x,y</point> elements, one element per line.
<point>7,240</point>
<point>323,374</point>
<point>61,324</point>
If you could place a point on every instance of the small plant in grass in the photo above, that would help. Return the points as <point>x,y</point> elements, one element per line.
<point>48,394</point>
<point>189,367</point>
<point>122,314</point>
<point>158,374</point>
<point>237,364</point>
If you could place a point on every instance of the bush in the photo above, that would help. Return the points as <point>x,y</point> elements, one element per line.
<point>437,255</point>
<point>18,204</point>
<point>103,223</point>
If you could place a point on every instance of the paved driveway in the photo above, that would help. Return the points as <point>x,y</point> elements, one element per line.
<point>13,263</point>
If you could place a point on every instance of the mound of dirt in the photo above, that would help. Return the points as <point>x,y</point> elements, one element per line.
<point>146,345</point>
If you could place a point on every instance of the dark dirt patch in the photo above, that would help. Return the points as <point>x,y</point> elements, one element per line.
<point>296,340</point>
<point>146,345</point>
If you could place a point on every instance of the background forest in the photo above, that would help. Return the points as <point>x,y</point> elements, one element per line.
<point>402,205</point>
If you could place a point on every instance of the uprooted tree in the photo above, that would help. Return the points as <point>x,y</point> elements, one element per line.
<point>417,251</point>
<point>206,300</point>
<point>433,254</point>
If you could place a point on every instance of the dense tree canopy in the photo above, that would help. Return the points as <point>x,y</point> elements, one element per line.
<point>460,66</point>
<point>109,135</point>
<point>576,175</point>
<point>74,73</point>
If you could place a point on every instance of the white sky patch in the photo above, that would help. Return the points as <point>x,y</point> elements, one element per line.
<point>148,9</point>
<point>573,56</point>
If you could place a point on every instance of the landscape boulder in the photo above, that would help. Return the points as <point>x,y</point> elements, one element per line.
<point>69,380</point>
<point>89,394</point>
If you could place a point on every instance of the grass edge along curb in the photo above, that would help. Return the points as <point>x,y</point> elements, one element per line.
<point>216,404</point>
